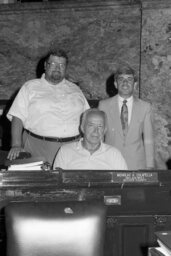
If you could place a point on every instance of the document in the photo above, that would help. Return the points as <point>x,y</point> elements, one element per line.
<point>36,165</point>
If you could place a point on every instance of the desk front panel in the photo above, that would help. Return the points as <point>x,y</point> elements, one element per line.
<point>134,211</point>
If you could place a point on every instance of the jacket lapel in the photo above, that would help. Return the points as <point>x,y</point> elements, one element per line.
<point>115,115</point>
<point>133,116</point>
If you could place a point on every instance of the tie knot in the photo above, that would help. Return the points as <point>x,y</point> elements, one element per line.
<point>124,101</point>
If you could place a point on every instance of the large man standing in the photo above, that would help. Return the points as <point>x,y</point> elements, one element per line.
<point>46,111</point>
<point>129,122</point>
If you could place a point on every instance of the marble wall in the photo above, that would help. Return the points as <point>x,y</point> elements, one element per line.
<point>156,74</point>
<point>97,37</point>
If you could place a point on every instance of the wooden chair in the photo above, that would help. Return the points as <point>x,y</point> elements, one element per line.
<point>55,228</point>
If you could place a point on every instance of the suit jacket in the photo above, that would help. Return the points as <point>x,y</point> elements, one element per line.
<point>137,147</point>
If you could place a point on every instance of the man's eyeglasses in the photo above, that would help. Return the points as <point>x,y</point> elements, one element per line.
<point>128,79</point>
<point>56,64</point>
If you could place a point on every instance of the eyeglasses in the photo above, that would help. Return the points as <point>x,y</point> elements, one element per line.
<point>56,64</point>
<point>128,79</point>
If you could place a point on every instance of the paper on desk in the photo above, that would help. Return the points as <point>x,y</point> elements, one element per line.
<point>27,166</point>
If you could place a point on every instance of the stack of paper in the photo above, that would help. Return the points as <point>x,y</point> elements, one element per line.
<point>159,251</point>
<point>37,166</point>
<point>164,241</point>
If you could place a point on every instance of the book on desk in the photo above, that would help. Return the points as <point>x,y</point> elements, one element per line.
<point>27,164</point>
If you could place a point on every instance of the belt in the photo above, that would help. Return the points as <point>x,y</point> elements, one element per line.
<point>53,138</point>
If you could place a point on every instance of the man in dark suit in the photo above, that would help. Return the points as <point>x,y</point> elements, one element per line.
<point>129,126</point>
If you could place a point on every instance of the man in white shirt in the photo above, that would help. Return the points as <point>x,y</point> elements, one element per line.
<point>46,111</point>
<point>90,152</point>
<point>129,126</point>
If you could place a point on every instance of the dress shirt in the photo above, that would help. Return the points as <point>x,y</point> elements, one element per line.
<point>49,110</point>
<point>75,157</point>
<point>129,105</point>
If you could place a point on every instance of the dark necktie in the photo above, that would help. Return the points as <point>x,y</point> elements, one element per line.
<point>124,117</point>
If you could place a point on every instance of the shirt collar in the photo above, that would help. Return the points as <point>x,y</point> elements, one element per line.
<point>129,100</point>
<point>45,81</point>
<point>80,147</point>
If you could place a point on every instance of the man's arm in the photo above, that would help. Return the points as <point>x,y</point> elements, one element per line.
<point>16,142</point>
<point>148,139</point>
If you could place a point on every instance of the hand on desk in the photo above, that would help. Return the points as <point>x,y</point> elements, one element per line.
<point>17,153</point>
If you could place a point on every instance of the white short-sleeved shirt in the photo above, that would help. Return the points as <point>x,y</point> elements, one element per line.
<point>74,157</point>
<point>49,110</point>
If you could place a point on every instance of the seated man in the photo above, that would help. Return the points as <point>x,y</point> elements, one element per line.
<point>90,152</point>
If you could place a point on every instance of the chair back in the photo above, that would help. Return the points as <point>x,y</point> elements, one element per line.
<point>55,228</point>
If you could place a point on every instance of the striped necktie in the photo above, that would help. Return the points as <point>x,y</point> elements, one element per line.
<point>124,117</point>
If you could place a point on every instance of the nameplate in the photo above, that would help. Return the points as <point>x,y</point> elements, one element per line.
<point>109,177</point>
<point>135,177</point>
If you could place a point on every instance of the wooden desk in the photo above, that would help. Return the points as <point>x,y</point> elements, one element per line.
<point>135,210</point>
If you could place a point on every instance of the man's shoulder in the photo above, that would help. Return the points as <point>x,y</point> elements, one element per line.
<point>142,103</point>
<point>71,83</point>
<point>107,101</point>
<point>33,82</point>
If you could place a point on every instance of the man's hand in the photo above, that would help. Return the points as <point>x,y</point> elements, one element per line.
<point>14,152</point>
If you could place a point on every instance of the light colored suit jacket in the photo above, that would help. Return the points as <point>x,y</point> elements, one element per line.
<point>137,147</point>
